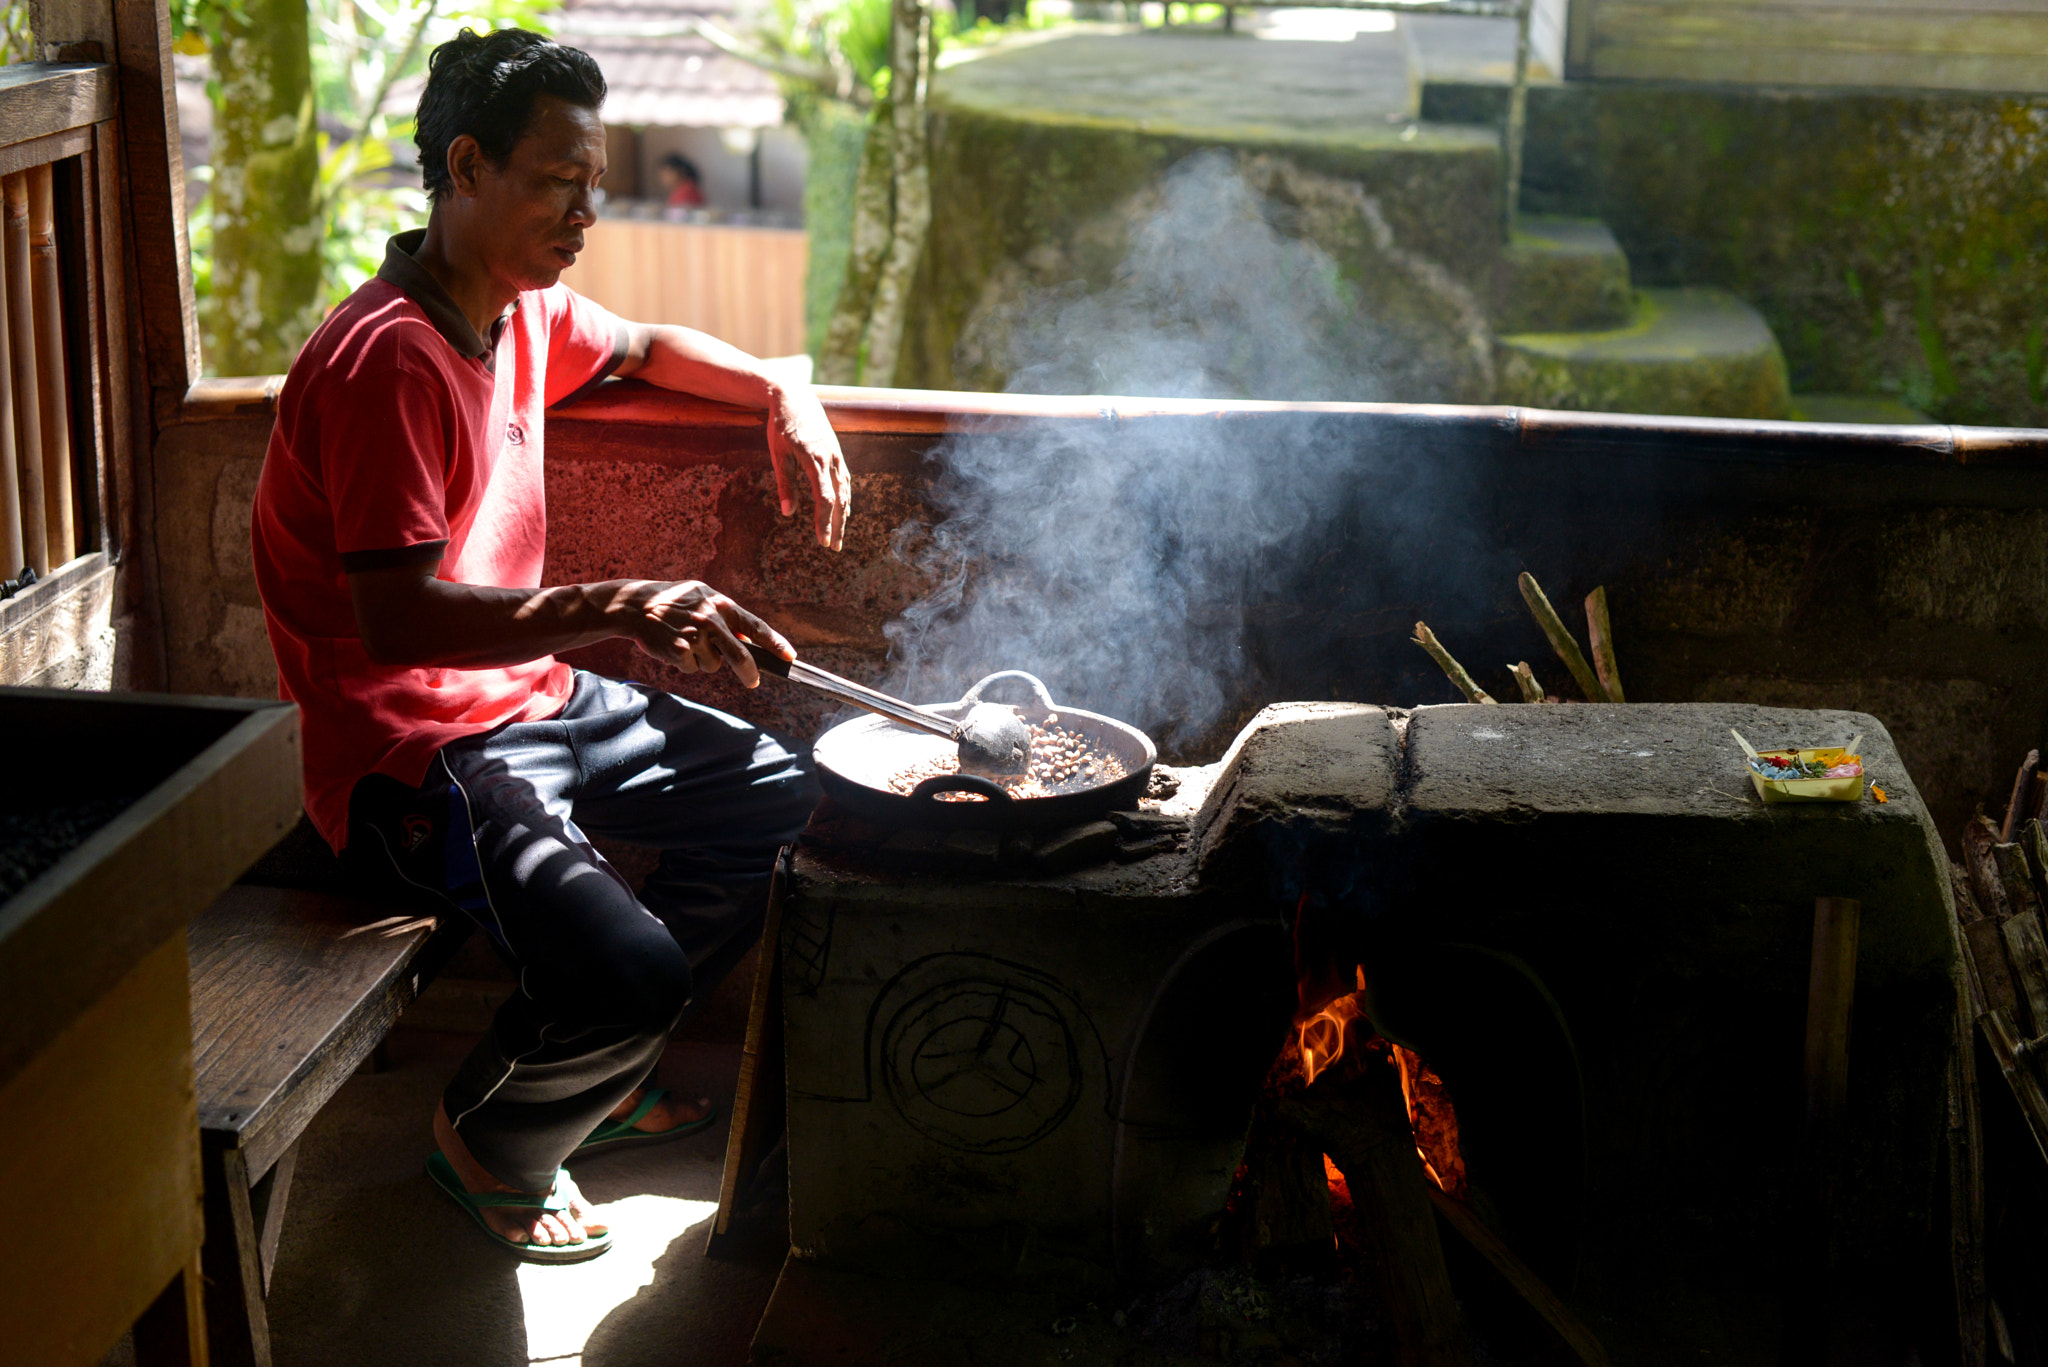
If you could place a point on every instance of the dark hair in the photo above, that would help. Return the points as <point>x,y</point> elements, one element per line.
<point>682,166</point>
<point>484,84</point>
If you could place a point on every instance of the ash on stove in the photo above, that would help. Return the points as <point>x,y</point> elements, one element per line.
<point>1235,1316</point>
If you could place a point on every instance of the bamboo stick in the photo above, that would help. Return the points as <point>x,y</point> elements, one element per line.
<point>2022,789</point>
<point>2017,1060</point>
<point>1600,633</point>
<point>2034,840</point>
<point>1525,679</point>
<point>55,389</point>
<point>1561,640</point>
<point>1426,638</point>
<point>1983,949</point>
<point>28,418</point>
<point>13,554</point>
<point>2027,952</point>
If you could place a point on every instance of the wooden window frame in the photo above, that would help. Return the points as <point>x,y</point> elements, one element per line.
<point>103,104</point>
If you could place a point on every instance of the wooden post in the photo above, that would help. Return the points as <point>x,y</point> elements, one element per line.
<point>1965,1144</point>
<point>28,418</point>
<point>54,394</point>
<point>1830,997</point>
<point>760,1103</point>
<point>13,553</point>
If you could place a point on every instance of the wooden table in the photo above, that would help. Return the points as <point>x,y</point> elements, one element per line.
<point>95,1019</point>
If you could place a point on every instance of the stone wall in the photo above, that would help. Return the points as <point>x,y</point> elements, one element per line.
<point>1880,573</point>
<point>1896,241</point>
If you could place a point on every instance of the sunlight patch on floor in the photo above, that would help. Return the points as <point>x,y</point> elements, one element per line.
<point>565,1304</point>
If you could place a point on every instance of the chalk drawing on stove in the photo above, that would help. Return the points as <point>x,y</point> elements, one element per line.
<point>806,945</point>
<point>982,1055</point>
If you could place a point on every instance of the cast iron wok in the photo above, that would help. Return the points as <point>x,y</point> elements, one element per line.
<point>856,759</point>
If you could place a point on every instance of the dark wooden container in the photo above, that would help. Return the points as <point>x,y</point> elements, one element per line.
<point>95,1015</point>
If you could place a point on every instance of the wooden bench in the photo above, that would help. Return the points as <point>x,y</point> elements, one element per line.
<point>292,990</point>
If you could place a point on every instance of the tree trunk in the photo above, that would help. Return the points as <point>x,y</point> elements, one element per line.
<point>839,357</point>
<point>910,81</point>
<point>266,222</point>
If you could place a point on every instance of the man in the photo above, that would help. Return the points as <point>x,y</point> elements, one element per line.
<point>398,534</point>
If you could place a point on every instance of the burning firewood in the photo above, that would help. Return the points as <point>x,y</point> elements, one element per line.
<point>1426,638</point>
<point>1354,1114</point>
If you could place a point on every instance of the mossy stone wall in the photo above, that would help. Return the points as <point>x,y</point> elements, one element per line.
<point>832,136</point>
<point>1896,242</point>
<point>1028,200</point>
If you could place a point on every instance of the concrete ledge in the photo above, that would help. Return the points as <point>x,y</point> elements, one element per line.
<point>1300,771</point>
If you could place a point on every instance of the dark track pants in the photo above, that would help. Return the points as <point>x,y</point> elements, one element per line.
<point>604,976</point>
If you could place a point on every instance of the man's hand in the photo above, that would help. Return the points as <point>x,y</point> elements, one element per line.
<point>800,436</point>
<point>695,627</point>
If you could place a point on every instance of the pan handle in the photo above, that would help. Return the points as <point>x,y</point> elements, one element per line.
<point>1038,688</point>
<point>929,790</point>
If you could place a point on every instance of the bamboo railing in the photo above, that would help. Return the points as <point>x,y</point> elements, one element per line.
<point>38,503</point>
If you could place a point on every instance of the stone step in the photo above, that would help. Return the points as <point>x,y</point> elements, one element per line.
<point>1561,275</point>
<point>1696,350</point>
<point>1865,410</point>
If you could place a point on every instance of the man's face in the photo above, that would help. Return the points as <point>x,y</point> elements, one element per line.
<point>531,213</point>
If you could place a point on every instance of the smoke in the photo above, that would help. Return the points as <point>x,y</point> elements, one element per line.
<point>1121,560</point>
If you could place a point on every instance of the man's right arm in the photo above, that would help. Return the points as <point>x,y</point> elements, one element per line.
<point>407,616</point>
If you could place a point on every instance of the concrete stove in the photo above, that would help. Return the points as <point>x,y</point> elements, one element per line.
<point>1006,1077</point>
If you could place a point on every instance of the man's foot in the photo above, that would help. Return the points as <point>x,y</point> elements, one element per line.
<point>521,1226</point>
<point>666,1114</point>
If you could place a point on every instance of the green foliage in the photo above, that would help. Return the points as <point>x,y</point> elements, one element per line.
<point>17,34</point>
<point>361,50</point>
<point>851,37</point>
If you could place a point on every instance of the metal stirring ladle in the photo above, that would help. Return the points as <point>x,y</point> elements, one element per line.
<point>992,739</point>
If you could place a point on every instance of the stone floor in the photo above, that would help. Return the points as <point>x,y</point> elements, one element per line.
<point>377,1266</point>
<point>378,1269</point>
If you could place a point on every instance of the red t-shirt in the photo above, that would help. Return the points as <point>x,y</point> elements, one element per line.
<point>402,438</point>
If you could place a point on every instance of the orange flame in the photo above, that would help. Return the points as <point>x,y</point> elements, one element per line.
<point>1434,1122</point>
<point>1321,1036</point>
<point>1322,1039</point>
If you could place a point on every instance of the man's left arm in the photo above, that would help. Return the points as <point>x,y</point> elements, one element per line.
<point>799,437</point>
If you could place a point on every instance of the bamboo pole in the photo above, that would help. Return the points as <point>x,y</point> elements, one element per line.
<point>12,552</point>
<point>54,391</point>
<point>1525,679</point>
<point>28,419</point>
<point>1426,638</point>
<point>1560,639</point>
<point>1600,632</point>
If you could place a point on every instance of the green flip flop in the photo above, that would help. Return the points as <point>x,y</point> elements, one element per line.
<point>620,1134</point>
<point>475,1202</point>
